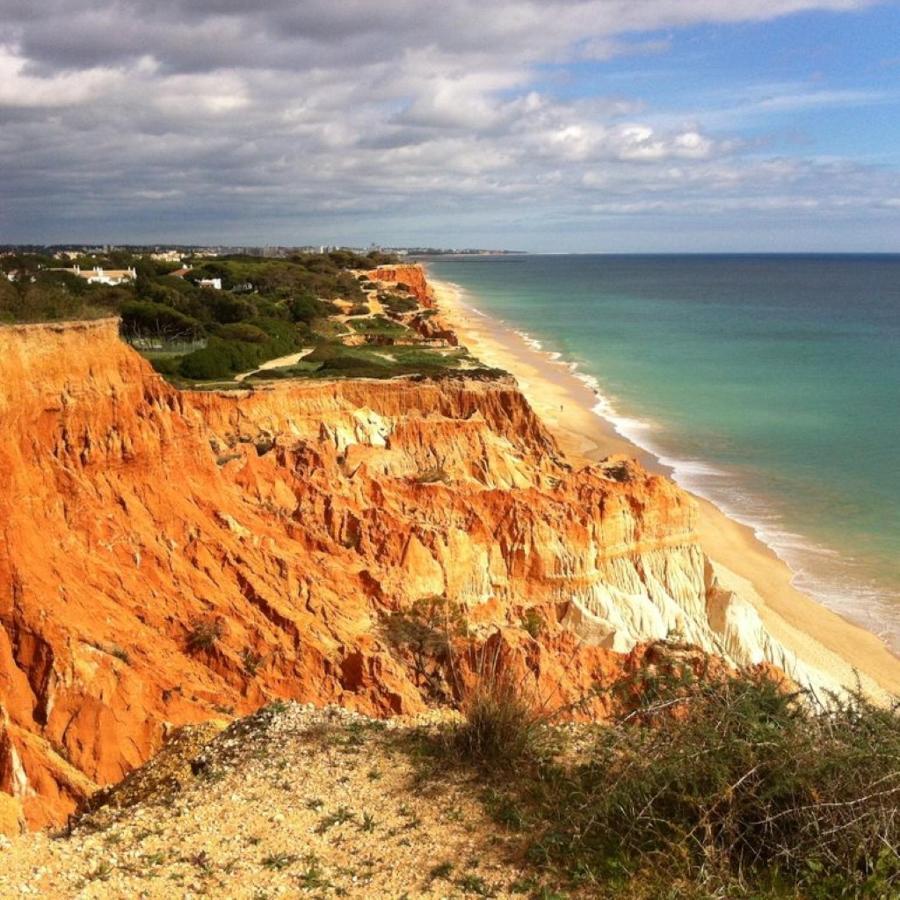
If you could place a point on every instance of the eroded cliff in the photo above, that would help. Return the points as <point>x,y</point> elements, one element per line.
<point>167,557</point>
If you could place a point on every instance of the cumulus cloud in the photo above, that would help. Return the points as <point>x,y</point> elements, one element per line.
<point>188,118</point>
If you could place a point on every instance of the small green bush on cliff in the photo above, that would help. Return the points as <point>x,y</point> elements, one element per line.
<point>219,359</point>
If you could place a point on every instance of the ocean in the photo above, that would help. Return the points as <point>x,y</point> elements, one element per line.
<point>770,384</point>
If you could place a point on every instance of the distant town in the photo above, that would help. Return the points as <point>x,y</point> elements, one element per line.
<point>177,252</point>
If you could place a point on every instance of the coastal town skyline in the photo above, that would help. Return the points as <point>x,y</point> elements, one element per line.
<point>558,126</point>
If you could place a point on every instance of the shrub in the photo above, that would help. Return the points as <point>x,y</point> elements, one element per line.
<point>504,722</point>
<point>397,304</point>
<point>144,317</point>
<point>166,365</point>
<point>251,661</point>
<point>359,309</point>
<point>225,308</point>
<point>306,308</point>
<point>378,325</point>
<point>204,635</point>
<point>422,636</point>
<point>242,331</point>
<point>221,359</point>
<point>432,476</point>
<point>533,623</point>
<point>356,364</point>
<point>733,784</point>
<point>213,361</point>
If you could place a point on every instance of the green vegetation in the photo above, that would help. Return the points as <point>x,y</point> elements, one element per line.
<point>50,298</point>
<point>266,309</point>
<point>398,304</point>
<point>504,722</point>
<point>380,326</point>
<point>338,361</point>
<point>240,347</point>
<point>729,787</point>
<point>251,661</point>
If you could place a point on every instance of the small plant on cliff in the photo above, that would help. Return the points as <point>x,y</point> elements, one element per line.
<point>204,635</point>
<point>120,653</point>
<point>251,661</point>
<point>432,475</point>
<point>504,721</point>
<point>533,623</point>
<point>423,635</point>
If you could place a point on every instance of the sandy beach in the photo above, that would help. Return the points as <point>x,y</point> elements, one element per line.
<point>821,639</point>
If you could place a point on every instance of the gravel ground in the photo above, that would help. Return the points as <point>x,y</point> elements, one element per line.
<point>292,801</point>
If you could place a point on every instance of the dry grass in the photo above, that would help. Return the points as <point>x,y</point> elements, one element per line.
<point>504,722</point>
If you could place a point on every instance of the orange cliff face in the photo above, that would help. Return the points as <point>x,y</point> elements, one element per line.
<point>295,523</point>
<point>410,274</point>
<point>428,322</point>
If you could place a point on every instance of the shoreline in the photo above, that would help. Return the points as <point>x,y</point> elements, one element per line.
<point>820,638</point>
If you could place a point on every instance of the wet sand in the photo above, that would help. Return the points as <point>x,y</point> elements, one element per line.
<point>820,638</point>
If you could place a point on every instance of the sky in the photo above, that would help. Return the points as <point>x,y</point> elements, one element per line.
<point>556,126</point>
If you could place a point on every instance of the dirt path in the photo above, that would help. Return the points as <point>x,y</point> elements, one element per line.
<point>277,363</point>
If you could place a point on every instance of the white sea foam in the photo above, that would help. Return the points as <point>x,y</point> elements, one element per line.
<point>534,343</point>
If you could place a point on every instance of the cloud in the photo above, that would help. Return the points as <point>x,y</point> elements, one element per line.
<point>19,89</point>
<point>215,117</point>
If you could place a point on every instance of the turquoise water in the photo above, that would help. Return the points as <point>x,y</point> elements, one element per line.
<point>771,385</point>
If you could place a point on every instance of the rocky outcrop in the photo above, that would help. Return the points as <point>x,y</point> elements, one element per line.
<point>428,322</point>
<point>412,276</point>
<point>169,557</point>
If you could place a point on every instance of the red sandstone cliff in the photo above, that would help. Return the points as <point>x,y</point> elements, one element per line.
<point>295,523</point>
<point>411,275</point>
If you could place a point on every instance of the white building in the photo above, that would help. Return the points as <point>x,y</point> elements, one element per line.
<point>99,275</point>
<point>214,283</point>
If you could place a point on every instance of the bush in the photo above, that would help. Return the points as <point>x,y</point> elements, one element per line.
<point>254,342</point>
<point>306,308</point>
<point>504,723</point>
<point>432,475</point>
<point>350,363</point>
<point>204,635</point>
<point>225,308</point>
<point>397,304</point>
<point>216,360</point>
<point>251,661</point>
<point>730,785</point>
<point>47,300</point>
<point>378,325</point>
<point>166,365</point>
<point>221,359</point>
<point>146,318</point>
<point>242,331</point>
